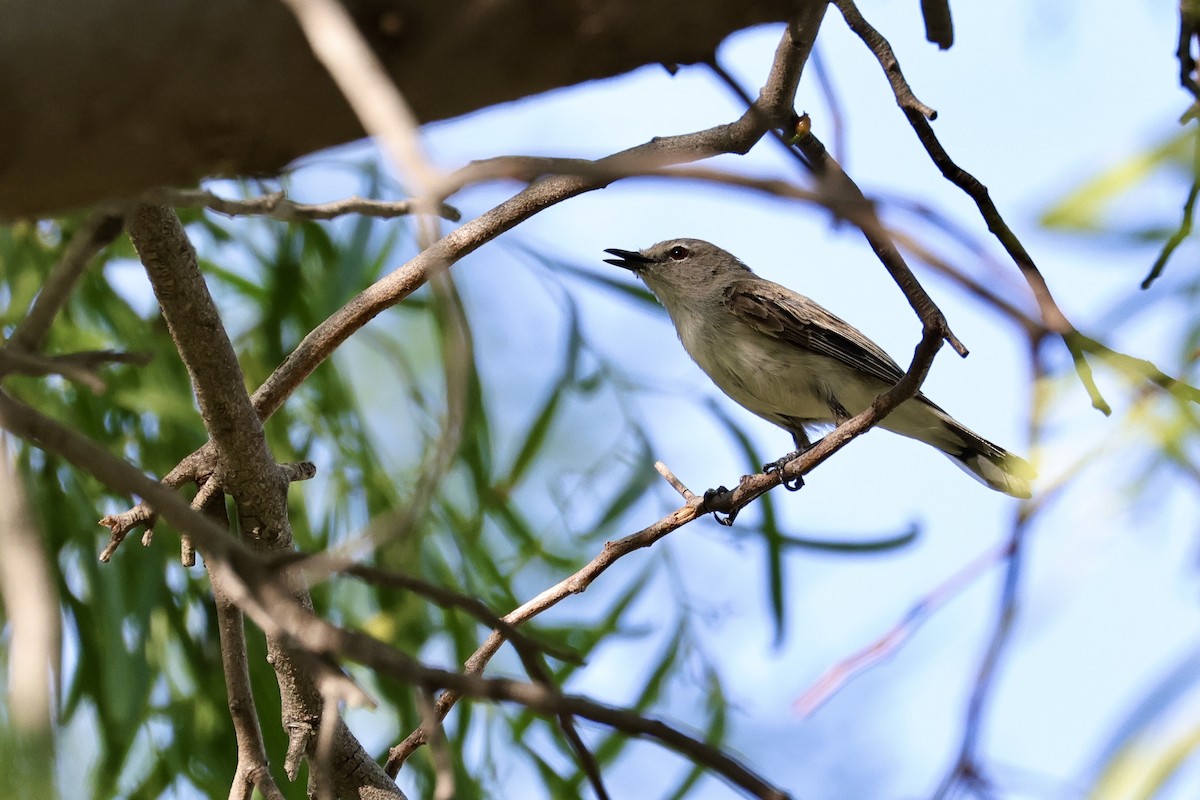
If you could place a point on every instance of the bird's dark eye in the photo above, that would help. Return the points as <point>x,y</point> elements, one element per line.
<point>679,253</point>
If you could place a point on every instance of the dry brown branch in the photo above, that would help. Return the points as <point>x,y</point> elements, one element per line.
<point>253,770</point>
<point>96,232</point>
<point>887,59</point>
<point>78,367</point>
<point>277,206</point>
<point>1052,315</point>
<point>846,200</point>
<point>687,494</point>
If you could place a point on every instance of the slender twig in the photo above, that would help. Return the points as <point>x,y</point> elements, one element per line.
<point>96,232</point>
<point>843,196</point>
<point>277,206</point>
<point>887,59</point>
<point>316,566</point>
<point>846,669</point>
<point>78,367</point>
<point>1052,315</point>
<point>687,494</point>
<point>252,770</point>
<point>1185,225</point>
<point>1182,232</point>
<point>835,182</point>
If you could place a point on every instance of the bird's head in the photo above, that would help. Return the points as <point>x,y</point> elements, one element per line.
<point>681,270</point>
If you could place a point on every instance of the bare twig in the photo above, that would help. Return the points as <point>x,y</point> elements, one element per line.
<point>843,196</point>
<point>277,206</point>
<point>78,367</point>
<point>1182,232</point>
<point>100,228</point>
<point>887,59</point>
<point>252,770</point>
<point>1185,225</point>
<point>836,183</point>
<point>1052,315</point>
<point>846,669</point>
<point>676,484</point>
<point>315,567</point>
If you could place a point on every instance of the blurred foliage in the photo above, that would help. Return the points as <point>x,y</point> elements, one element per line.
<point>143,711</point>
<point>1158,741</point>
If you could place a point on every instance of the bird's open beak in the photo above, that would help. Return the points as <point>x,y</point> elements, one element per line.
<point>628,259</point>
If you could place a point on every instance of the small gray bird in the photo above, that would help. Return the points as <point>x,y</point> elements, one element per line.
<point>791,362</point>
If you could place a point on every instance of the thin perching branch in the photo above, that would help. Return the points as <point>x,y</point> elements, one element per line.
<point>276,205</point>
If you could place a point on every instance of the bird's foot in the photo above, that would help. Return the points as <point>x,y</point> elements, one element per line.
<point>791,484</point>
<point>720,500</point>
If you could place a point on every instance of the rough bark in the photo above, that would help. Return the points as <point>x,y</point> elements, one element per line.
<point>104,100</point>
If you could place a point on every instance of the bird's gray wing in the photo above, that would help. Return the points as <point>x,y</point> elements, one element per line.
<point>778,312</point>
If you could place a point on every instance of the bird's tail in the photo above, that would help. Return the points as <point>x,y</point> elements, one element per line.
<point>984,461</point>
<point>989,463</point>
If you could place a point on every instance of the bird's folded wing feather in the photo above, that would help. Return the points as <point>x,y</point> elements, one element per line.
<point>777,312</point>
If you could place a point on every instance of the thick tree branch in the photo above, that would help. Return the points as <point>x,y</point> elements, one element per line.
<point>245,467</point>
<point>233,87</point>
